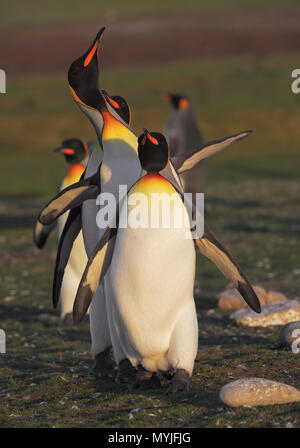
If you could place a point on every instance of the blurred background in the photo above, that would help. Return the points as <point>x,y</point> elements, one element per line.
<point>233,59</point>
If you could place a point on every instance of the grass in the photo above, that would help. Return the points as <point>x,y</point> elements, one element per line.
<point>228,96</point>
<point>47,13</point>
<point>252,203</point>
<point>45,378</point>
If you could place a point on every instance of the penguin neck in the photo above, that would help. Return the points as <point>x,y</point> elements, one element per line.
<point>74,173</point>
<point>115,130</point>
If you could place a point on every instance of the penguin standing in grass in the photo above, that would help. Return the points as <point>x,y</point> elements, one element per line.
<point>150,301</point>
<point>76,154</point>
<point>120,164</point>
<point>183,136</point>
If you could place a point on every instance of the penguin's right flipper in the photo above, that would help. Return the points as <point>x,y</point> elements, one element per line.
<point>69,234</point>
<point>95,270</point>
<point>41,233</point>
<point>185,162</point>
<point>210,247</point>
<point>70,197</point>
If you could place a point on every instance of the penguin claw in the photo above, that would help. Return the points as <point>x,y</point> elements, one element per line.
<point>180,382</point>
<point>103,367</point>
<point>126,372</point>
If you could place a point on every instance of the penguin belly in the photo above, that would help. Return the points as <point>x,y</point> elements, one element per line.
<point>74,270</point>
<point>149,288</point>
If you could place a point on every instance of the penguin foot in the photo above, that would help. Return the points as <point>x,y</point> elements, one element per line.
<point>180,382</point>
<point>68,321</point>
<point>126,372</point>
<point>103,367</point>
<point>145,379</point>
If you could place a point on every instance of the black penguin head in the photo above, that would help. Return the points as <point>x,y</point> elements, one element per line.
<point>177,101</point>
<point>83,76</point>
<point>74,150</point>
<point>153,151</point>
<point>119,104</point>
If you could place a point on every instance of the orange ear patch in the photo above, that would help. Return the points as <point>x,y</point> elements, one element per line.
<point>183,103</point>
<point>91,54</point>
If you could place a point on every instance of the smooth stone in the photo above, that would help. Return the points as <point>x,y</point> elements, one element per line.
<point>286,337</point>
<point>257,392</point>
<point>230,299</point>
<point>275,314</point>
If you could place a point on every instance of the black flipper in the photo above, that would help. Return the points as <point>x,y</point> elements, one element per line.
<point>210,247</point>
<point>69,234</point>
<point>184,162</point>
<point>70,197</point>
<point>41,233</point>
<point>95,270</point>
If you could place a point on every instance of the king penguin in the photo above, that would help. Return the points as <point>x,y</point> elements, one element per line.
<point>183,136</point>
<point>120,165</point>
<point>76,154</point>
<point>150,301</point>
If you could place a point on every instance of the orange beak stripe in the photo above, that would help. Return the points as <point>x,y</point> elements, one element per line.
<point>152,139</point>
<point>166,97</point>
<point>67,151</point>
<point>91,54</point>
<point>113,103</point>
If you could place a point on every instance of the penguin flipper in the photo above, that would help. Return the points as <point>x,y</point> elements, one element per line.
<point>70,197</point>
<point>185,162</point>
<point>69,234</point>
<point>210,247</point>
<point>95,270</point>
<point>41,233</point>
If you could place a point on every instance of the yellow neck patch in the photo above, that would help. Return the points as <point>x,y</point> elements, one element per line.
<point>114,130</point>
<point>74,173</point>
<point>153,183</point>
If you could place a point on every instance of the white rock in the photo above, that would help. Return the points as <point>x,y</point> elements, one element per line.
<point>287,335</point>
<point>231,299</point>
<point>275,314</point>
<point>257,392</point>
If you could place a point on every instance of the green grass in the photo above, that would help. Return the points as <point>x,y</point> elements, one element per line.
<point>45,377</point>
<point>252,203</point>
<point>48,12</point>
<point>228,96</point>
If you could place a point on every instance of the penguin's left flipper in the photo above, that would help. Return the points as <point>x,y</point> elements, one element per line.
<point>69,234</point>
<point>184,162</point>
<point>210,247</point>
<point>70,197</point>
<point>41,233</point>
<point>95,270</point>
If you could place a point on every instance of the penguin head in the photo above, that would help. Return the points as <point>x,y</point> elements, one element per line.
<point>177,101</point>
<point>74,150</point>
<point>83,77</point>
<point>119,104</point>
<point>153,151</point>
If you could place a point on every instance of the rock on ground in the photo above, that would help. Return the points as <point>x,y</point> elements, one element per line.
<point>257,392</point>
<point>275,314</point>
<point>287,335</point>
<point>230,298</point>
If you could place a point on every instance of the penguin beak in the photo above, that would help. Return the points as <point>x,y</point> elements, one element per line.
<point>64,150</point>
<point>165,97</point>
<point>93,50</point>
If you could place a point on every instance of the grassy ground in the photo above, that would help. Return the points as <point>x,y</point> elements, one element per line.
<point>252,201</point>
